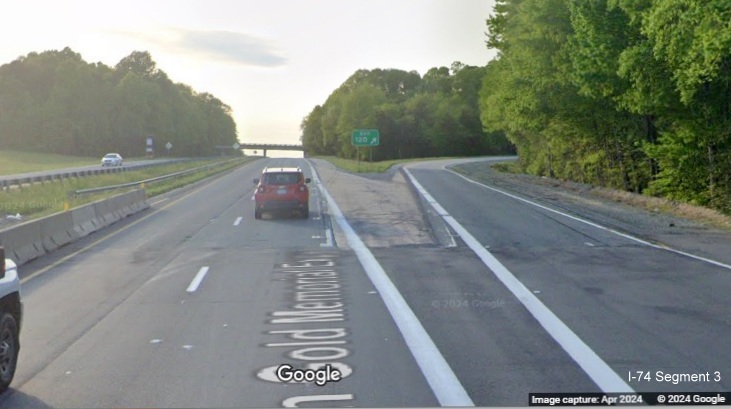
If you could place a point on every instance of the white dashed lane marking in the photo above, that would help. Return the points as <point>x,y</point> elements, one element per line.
<point>197,279</point>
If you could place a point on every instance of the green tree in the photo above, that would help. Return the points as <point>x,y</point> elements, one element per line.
<point>312,137</point>
<point>693,39</point>
<point>54,101</point>
<point>434,115</point>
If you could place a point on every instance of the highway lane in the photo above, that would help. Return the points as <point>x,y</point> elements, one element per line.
<point>56,172</point>
<point>193,303</point>
<point>639,308</point>
<point>123,325</point>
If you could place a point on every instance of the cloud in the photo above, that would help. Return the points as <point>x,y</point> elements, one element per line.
<point>230,46</point>
<point>220,46</point>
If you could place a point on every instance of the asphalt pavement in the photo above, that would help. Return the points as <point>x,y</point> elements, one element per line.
<point>121,324</point>
<point>194,303</point>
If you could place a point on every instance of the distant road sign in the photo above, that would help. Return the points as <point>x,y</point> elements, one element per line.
<point>168,146</point>
<point>236,145</point>
<point>366,137</point>
<point>149,150</point>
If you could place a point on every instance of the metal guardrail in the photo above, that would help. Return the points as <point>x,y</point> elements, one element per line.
<point>151,180</point>
<point>51,176</point>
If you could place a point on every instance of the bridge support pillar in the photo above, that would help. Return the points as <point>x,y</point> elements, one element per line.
<point>265,153</point>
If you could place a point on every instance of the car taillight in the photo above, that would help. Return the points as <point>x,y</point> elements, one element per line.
<point>262,189</point>
<point>303,188</point>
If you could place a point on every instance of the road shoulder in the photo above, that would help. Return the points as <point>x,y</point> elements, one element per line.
<point>578,200</point>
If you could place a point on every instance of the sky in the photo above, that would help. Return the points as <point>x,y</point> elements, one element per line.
<point>271,61</point>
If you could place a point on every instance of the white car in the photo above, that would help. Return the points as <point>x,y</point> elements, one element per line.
<point>11,314</point>
<point>112,159</point>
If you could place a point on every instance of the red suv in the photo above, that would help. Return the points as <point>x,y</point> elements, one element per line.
<point>282,189</point>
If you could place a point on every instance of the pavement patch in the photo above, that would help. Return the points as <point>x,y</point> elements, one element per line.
<point>384,213</point>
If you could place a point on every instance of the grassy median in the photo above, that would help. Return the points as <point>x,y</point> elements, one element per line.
<point>39,200</point>
<point>371,167</point>
<point>12,162</point>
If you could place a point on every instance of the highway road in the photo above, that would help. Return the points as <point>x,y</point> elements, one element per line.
<point>47,173</point>
<point>194,303</point>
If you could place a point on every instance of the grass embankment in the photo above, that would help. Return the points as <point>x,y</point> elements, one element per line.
<point>651,203</point>
<point>12,162</point>
<point>40,200</point>
<point>688,211</point>
<point>507,167</point>
<point>368,167</point>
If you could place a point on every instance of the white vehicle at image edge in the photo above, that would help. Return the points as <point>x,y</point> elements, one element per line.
<point>11,313</point>
<point>112,159</point>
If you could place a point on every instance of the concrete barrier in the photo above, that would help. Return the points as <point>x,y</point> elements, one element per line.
<point>23,242</point>
<point>56,230</point>
<point>83,220</point>
<point>118,206</point>
<point>105,211</point>
<point>35,238</point>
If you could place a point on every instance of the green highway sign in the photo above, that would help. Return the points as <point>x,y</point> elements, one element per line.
<point>366,137</point>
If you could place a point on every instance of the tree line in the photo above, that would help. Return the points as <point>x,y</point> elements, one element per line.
<point>56,102</point>
<point>434,115</point>
<point>632,94</point>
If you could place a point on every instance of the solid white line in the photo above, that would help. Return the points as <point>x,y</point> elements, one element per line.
<point>453,243</point>
<point>598,370</point>
<point>197,279</point>
<point>317,199</point>
<point>238,221</point>
<point>328,238</point>
<point>437,208</point>
<point>159,201</point>
<point>442,380</point>
<point>598,226</point>
<point>328,232</point>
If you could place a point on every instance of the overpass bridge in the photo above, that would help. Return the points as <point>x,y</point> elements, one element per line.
<point>271,146</point>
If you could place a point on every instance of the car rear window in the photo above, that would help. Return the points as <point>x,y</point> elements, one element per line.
<point>284,178</point>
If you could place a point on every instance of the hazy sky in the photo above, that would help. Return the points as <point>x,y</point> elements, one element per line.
<point>272,61</point>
